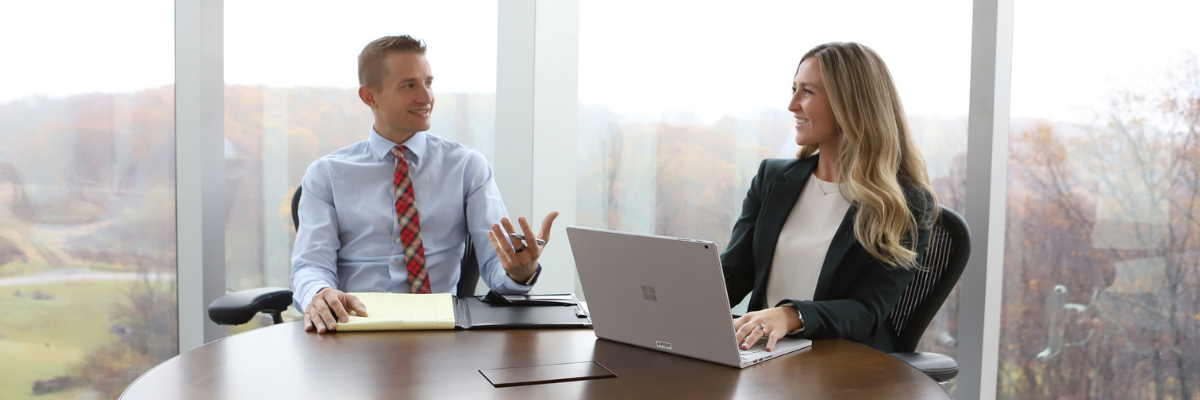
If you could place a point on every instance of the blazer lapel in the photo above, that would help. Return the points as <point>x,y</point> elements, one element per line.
<point>842,240</point>
<point>779,204</point>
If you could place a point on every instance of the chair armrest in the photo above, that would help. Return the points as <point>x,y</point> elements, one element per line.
<point>239,307</point>
<point>937,366</point>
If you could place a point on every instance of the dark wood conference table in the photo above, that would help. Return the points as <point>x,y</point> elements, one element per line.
<point>284,362</point>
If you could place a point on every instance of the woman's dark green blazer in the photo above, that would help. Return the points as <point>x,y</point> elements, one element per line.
<point>855,292</point>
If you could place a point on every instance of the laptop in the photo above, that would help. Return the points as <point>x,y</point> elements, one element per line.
<point>663,293</point>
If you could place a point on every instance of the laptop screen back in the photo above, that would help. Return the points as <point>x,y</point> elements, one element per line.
<point>656,292</point>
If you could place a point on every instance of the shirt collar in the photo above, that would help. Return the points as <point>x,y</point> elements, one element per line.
<point>382,147</point>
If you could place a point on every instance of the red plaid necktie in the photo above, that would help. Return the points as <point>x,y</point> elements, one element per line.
<point>410,225</point>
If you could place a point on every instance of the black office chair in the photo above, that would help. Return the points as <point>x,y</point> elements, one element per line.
<point>945,259</point>
<point>240,307</point>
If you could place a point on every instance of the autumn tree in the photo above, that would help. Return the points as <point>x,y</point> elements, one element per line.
<point>1109,212</point>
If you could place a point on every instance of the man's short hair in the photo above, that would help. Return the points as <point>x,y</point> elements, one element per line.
<point>371,68</point>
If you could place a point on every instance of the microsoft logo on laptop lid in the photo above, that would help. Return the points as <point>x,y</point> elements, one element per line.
<point>648,293</point>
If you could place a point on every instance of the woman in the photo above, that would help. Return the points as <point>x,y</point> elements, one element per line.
<point>828,241</point>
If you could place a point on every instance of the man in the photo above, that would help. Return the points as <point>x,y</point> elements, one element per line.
<point>391,213</point>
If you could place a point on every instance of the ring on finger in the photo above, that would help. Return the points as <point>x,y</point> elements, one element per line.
<point>762,326</point>
<point>519,250</point>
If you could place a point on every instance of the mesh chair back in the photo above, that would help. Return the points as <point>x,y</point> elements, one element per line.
<point>944,261</point>
<point>468,276</point>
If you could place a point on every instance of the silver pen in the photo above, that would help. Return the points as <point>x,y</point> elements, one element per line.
<point>520,236</point>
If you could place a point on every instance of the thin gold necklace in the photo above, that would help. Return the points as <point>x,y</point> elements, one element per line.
<point>822,187</point>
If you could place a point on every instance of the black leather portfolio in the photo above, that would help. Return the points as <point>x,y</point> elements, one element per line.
<point>521,311</point>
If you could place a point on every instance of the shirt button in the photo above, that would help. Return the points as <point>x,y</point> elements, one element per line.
<point>397,240</point>
<point>395,262</point>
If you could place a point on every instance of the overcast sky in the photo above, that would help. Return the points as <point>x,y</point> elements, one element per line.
<point>646,57</point>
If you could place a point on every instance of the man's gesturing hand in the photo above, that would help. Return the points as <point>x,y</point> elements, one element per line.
<point>328,307</point>
<point>520,263</point>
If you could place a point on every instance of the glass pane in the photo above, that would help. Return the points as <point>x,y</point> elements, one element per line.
<point>292,97</point>
<point>1100,270</point>
<point>678,106</point>
<point>87,196</point>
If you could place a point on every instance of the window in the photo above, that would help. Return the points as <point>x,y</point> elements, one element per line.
<point>1100,280</point>
<point>678,106</point>
<point>292,97</point>
<point>87,196</point>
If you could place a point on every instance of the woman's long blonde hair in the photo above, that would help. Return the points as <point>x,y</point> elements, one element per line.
<point>876,153</point>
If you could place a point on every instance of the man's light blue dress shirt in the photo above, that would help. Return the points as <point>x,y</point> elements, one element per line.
<point>349,237</point>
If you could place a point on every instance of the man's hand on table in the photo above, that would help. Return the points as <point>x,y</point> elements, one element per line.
<point>328,307</point>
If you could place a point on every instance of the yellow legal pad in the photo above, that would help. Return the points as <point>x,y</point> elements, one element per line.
<point>399,311</point>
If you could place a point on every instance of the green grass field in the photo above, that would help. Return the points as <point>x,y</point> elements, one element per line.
<point>33,362</point>
<point>20,268</point>
<point>49,338</point>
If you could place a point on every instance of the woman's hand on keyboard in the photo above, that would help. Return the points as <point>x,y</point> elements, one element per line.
<point>773,323</point>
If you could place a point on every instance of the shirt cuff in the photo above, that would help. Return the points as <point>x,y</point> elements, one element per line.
<point>511,286</point>
<point>798,314</point>
<point>532,280</point>
<point>307,296</point>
